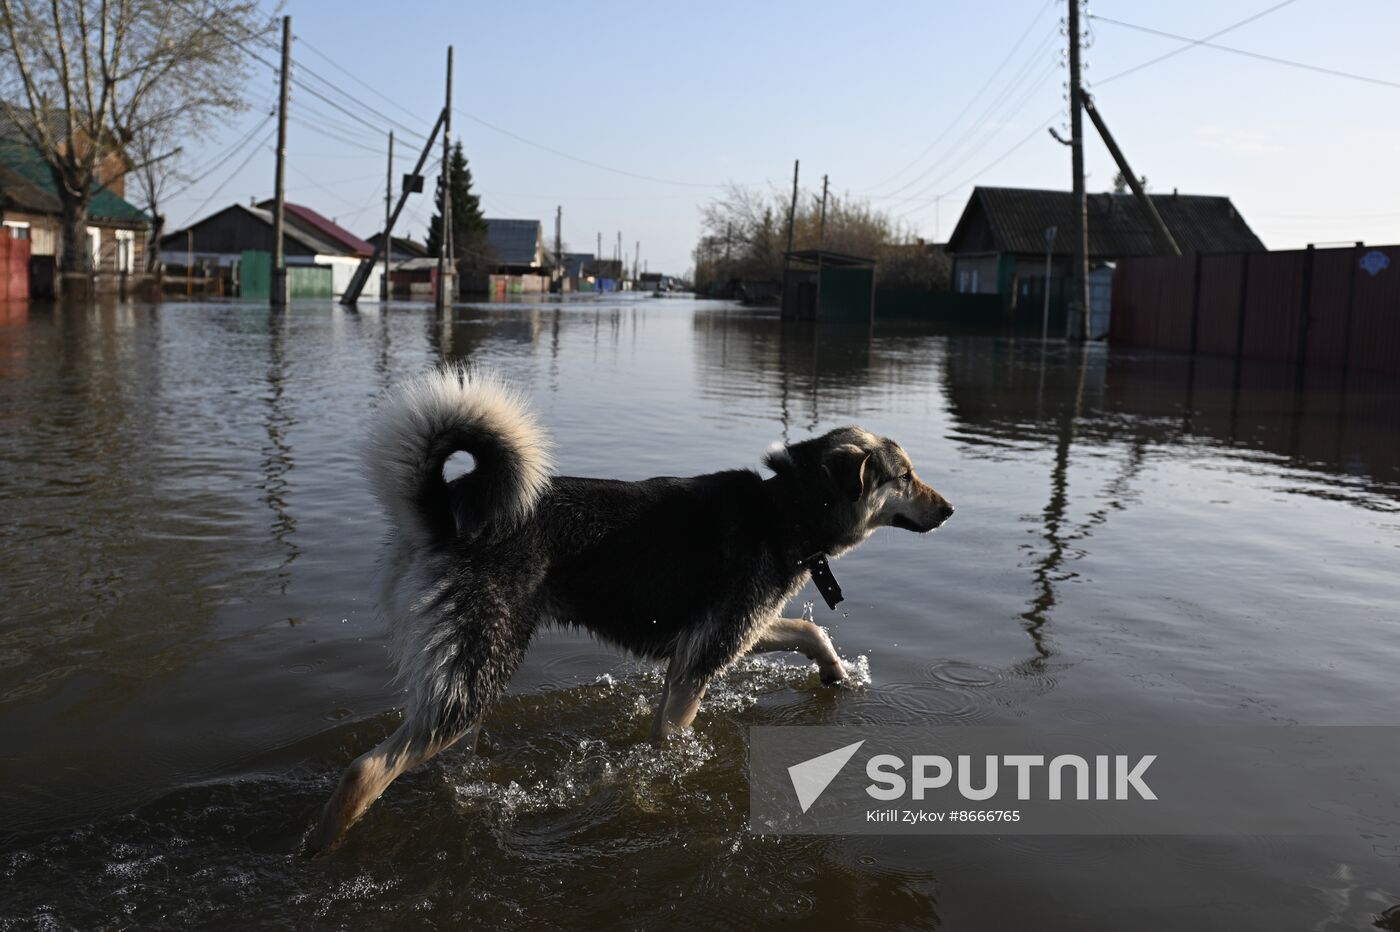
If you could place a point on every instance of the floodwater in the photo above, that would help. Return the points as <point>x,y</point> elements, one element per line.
<point>189,653</point>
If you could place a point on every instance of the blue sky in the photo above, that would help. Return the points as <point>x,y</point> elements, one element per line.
<point>909,104</point>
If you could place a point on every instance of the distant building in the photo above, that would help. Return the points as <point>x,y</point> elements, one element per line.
<point>517,246</point>
<point>998,246</point>
<point>405,247</point>
<point>309,239</point>
<point>30,210</point>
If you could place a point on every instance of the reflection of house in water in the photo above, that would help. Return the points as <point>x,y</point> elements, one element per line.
<point>1002,392</point>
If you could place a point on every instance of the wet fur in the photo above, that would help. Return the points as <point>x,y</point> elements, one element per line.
<point>693,571</point>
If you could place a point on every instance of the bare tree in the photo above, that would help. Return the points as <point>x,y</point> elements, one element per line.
<point>744,233</point>
<point>94,84</point>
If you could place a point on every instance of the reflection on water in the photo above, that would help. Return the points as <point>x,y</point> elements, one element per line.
<point>189,653</point>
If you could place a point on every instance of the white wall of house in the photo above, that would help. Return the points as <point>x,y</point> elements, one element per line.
<point>343,270</point>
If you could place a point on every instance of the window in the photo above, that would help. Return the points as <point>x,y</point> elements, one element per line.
<point>126,251</point>
<point>94,236</point>
<point>17,229</point>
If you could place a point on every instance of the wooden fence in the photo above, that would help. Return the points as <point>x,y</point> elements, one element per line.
<point>1318,308</point>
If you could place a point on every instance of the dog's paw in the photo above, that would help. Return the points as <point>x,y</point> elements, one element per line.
<point>832,673</point>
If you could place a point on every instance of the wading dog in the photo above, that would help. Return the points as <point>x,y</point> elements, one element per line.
<point>690,571</point>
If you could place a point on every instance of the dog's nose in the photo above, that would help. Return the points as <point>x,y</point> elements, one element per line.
<point>945,512</point>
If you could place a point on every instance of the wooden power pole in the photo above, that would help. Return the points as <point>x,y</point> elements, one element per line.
<point>278,293</point>
<point>559,245</point>
<point>1078,322</point>
<point>792,211</point>
<point>821,228</point>
<point>444,265</point>
<point>388,218</point>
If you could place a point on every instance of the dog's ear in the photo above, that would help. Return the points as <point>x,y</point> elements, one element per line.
<point>845,466</point>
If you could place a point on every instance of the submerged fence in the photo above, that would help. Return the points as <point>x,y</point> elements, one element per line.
<point>1318,308</point>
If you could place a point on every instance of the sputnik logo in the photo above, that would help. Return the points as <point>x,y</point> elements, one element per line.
<point>811,777</point>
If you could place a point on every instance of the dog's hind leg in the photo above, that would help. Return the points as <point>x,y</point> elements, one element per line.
<point>459,672</point>
<point>371,774</point>
<point>807,639</point>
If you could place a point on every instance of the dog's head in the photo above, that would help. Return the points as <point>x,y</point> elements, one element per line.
<point>868,482</point>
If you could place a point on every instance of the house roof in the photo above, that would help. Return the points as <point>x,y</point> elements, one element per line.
<point>577,263</point>
<point>403,245</point>
<point>515,242</point>
<point>25,182</point>
<point>1014,220</point>
<point>827,257</point>
<point>328,231</point>
<point>175,239</point>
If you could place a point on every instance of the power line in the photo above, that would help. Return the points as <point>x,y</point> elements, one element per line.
<point>228,154</point>
<point>1186,48</point>
<point>1256,55</point>
<point>358,80</point>
<point>996,73</point>
<point>1012,86</point>
<point>304,86</point>
<point>949,169</point>
<point>241,165</point>
<point>996,161</point>
<point>582,161</point>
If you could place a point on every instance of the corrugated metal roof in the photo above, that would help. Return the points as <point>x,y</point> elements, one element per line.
<point>309,221</point>
<point>37,192</point>
<point>1017,218</point>
<point>513,241</point>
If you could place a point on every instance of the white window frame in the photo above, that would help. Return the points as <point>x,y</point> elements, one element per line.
<point>14,226</point>
<point>126,250</point>
<point>94,243</point>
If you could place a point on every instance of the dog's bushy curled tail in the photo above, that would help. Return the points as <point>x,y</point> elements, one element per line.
<point>426,419</point>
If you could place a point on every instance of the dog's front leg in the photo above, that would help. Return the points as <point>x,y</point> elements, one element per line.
<point>808,639</point>
<point>680,700</point>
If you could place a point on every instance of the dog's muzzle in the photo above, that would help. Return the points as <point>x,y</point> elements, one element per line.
<point>943,513</point>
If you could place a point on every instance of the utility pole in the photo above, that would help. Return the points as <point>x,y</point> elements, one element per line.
<point>821,229</point>
<point>637,261</point>
<point>388,217</point>
<point>279,258</point>
<point>599,256</point>
<point>792,211</point>
<point>559,245</point>
<point>1078,323</point>
<point>444,270</point>
<point>621,273</point>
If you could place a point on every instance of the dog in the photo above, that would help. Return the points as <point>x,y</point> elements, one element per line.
<point>690,571</point>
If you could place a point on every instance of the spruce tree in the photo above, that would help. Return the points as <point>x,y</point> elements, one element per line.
<point>468,225</point>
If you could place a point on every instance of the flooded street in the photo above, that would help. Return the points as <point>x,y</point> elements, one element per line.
<point>190,654</point>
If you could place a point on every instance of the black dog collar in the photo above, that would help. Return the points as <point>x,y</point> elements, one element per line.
<point>826,583</point>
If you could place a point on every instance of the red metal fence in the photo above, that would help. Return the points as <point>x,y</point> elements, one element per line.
<point>14,268</point>
<point>1319,308</point>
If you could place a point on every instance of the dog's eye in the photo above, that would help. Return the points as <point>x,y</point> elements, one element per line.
<point>907,478</point>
